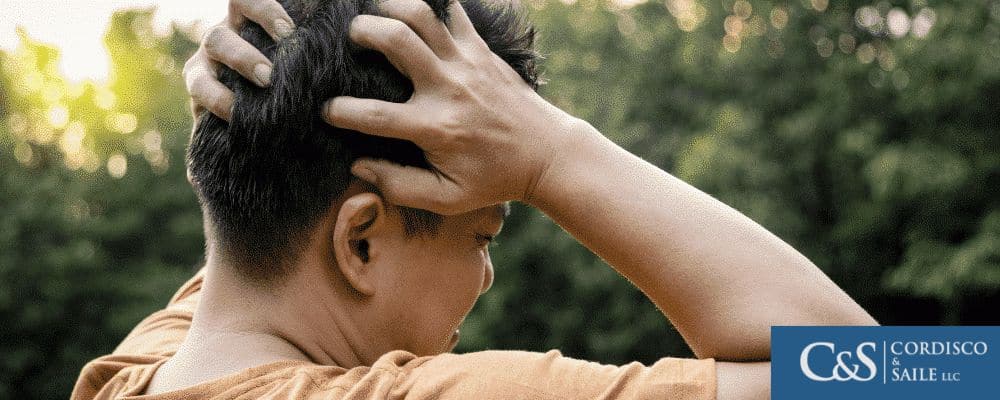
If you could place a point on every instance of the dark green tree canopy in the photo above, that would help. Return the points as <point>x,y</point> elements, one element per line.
<point>866,134</point>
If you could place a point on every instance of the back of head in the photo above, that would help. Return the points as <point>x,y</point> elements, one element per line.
<point>265,179</point>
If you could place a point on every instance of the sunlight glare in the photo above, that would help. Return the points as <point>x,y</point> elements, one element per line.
<point>77,28</point>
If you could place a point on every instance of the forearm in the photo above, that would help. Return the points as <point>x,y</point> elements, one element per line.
<point>722,279</point>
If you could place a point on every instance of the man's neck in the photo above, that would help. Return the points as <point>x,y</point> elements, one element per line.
<point>242,326</point>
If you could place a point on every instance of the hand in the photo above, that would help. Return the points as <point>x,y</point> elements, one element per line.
<point>223,45</point>
<point>487,134</point>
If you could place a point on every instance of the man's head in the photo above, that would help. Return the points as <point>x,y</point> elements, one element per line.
<point>275,183</point>
<point>266,178</point>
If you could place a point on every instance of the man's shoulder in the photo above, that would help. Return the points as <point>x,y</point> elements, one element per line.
<point>494,374</point>
<point>550,375</point>
<point>114,375</point>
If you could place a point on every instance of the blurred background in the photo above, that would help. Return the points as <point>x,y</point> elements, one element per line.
<point>866,134</point>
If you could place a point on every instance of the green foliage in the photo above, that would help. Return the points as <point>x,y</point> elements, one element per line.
<point>84,255</point>
<point>877,154</point>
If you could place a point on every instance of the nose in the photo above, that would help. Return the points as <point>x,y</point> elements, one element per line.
<point>488,276</point>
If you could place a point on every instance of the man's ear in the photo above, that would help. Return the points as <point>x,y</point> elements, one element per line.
<point>361,217</point>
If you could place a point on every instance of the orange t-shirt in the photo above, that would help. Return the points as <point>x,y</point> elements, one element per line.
<point>396,375</point>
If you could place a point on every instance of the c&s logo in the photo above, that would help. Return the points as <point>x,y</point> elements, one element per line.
<point>847,366</point>
<point>884,362</point>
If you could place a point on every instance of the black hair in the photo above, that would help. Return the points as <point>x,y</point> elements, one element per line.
<point>269,175</point>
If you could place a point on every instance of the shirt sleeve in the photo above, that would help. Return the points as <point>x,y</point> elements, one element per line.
<point>526,375</point>
<point>161,333</point>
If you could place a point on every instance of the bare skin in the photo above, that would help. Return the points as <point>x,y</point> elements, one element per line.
<point>720,278</point>
<point>339,308</point>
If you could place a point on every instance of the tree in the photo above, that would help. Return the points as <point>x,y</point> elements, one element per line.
<point>100,226</point>
<point>871,148</point>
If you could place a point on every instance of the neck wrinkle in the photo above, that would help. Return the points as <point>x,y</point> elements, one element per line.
<point>350,338</point>
<point>291,326</point>
<point>336,340</point>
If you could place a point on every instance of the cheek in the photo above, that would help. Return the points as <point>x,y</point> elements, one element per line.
<point>449,284</point>
<point>457,280</point>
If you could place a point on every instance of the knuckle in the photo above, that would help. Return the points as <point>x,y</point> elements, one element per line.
<point>376,116</point>
<point>197,95</point>
<point>450,138</point>
<point>222,108</point>
<point>192,62</point>
<point>203,101</point>
<point>467,62</point>
<point>451,127</point>
<point>196,108</point>
<point>423,127</point>
<point>195,84</point>
<point>271,9</point>
<point>218,110</point>
<point>241,6</point>
<point>398,33</point>
<point>458,91</point>
<point>218,102</point>
<point>215,39</point>
<point>253,9</point>
<point>275,11</point>
<point>261,11</point>
<point>189,69</point>
<point>245,58</point>
<point>418,10</point>
<point>201,81</point>
<point>211,101</point>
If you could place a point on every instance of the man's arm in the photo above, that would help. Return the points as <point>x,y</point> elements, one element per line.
<point>721,278</point>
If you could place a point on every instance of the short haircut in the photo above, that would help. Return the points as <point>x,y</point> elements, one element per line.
<point>265,179</point>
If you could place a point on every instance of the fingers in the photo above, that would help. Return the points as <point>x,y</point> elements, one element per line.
<point>224,45</point>
<point>205,89</point>
<point>421,18</point>
<point>459,24</point>
<point>266,13</point>
<point>375,117</point>
<point>410,186</point>
<point>400,44</point>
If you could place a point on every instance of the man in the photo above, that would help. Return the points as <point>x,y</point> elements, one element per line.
<point>322,285</point>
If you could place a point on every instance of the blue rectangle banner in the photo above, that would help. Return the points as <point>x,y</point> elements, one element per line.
<point>885,362</point>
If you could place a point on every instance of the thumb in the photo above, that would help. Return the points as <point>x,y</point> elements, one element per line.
<point>410,186</point>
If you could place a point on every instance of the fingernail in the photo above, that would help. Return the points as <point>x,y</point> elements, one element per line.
<point>263,74</point>
<point>364,173</point>
<point>329,111</point>
<point>282,28</point>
